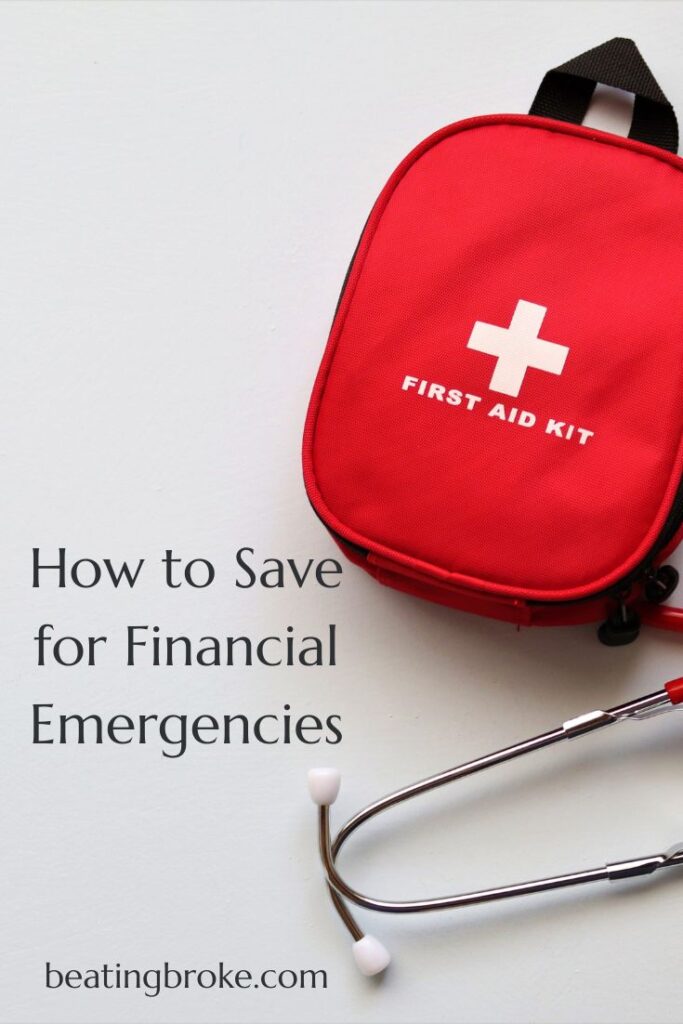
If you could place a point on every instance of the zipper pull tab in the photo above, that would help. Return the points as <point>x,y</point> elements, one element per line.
<point>660,583</point>
<point>623,625</point>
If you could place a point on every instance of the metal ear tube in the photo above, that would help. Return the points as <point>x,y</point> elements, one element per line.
<point>369,953</point>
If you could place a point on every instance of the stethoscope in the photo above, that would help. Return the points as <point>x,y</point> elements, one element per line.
<point>369,953</point>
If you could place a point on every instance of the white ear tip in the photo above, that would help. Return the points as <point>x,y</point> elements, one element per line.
<point>323,785</point>
<point>370,955</point>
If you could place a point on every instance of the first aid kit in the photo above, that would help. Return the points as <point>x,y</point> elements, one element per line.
<point>497,422</point>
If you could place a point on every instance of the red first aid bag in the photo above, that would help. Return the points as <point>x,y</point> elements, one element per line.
<point>497,422</point>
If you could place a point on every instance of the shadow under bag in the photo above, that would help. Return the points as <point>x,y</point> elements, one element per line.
<point>497,421</point>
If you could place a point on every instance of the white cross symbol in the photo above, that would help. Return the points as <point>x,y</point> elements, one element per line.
<point>518,348</point>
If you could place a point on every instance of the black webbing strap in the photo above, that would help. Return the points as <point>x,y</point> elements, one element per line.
<point>566,91</point>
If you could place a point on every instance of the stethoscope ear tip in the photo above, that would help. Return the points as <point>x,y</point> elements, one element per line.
<point>371,956</point>
<point>323,785</point>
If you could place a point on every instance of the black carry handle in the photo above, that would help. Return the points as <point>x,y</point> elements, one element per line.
<point>566,91</point>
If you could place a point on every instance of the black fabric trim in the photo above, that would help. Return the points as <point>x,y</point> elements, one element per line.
<point>566,91</point>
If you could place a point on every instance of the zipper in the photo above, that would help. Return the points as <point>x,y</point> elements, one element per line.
<point>646,569</point>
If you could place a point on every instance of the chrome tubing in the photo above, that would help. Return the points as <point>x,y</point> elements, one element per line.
<point>369,953</point>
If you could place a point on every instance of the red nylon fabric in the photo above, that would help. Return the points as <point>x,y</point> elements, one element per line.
<point>586,231</point>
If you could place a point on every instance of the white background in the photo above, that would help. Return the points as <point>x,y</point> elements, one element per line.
<point>181,188</point>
